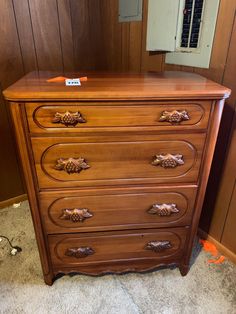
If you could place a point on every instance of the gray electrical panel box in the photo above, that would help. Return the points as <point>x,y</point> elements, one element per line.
<point>130,10</point>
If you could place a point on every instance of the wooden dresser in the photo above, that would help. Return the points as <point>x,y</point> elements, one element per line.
<point>116,169</point>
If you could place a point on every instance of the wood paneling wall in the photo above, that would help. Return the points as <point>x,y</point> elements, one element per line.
<point>223,220</point>
<point>11,68</point>
<point>62,35</point>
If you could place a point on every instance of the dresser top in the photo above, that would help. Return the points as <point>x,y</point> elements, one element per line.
<point>116,86</point>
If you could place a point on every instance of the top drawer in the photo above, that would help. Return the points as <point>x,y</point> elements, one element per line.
<point>86,117</point>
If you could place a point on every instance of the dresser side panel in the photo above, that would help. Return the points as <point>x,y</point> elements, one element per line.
<point>23,150</point>
<point>212,134</point>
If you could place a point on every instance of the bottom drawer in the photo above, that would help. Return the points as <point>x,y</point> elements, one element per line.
<point>91,248</point>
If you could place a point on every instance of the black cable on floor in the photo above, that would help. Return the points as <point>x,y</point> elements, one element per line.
<point>15,249</point>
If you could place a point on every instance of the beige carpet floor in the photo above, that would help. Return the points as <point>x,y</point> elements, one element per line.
<point>206,289</point>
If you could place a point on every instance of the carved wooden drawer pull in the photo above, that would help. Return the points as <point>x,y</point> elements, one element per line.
<point>168,160</point>
<point>158,246</point>
<point>174,116</point>
<point>68,118</point>
<point>72,165</point>
<point>163,209</point>
<point>79,252</point>
<point>76,214</point>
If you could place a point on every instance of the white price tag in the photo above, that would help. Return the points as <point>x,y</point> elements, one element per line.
<point>73,82</point>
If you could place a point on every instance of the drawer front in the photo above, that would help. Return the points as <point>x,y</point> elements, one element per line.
<point>156,207</point>
<point>89,248</point>
<point>80,117</point>
<point>68,162</point>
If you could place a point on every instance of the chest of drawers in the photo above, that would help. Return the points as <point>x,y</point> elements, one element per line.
<point>116,169</point>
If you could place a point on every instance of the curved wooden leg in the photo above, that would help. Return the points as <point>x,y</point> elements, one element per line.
<point>184,269</point>
<point>48,279</point>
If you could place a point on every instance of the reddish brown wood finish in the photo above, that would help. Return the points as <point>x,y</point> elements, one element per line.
<point>117,210</point>
<point>124,176</point>
<point>117,86</point>
<point>206,166</point>
<point>116,160</point>
<point>117,246</point>
<point>26,159</point>
<point>106,116</point>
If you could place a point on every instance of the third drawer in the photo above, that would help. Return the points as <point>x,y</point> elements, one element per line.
<point>98,210</point>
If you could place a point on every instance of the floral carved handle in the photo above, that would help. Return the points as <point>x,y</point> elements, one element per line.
<point>175,116</point>
<point>163,209</point>
<point>72,165</point>
<point>158,246</point>
<point>76,214</point>
<point>79,252</point>
<point>168,160</point>
<point>68,118</point>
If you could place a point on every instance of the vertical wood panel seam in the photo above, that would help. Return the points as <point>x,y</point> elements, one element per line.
<point>35,50</point>
<point>72,32</point>
<point>144,31</point>
<point>226,61</point>
<point>141,45</point>
<point>214,38</point>
<point>72,35</point>
<point>128,53</point>
<point>223,229</point>
<point>141,49</point>
<point>163,59</point>
<point>18,36</point>
<point>225,155</point>
<point>121,48</point>
<point>102,38</point>
<point>59,26</point>
<point>89,35</point>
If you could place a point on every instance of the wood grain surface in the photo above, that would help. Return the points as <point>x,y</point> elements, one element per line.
<point>117,210</point>
<point>110,86</point>
<point>117,246</point>
<point>117,115</point>
<point>115,160</point>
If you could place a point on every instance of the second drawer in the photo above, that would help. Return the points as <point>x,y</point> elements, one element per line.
<point>72,162</point>
<point>136,208</point>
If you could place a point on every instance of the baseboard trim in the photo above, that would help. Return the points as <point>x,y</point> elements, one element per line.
<point>13,200</point>
<point>220,247</point>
